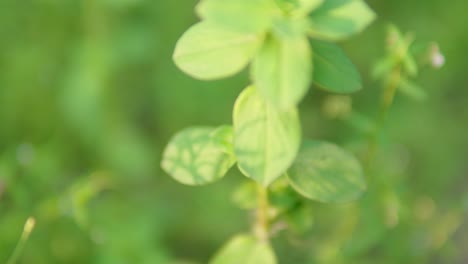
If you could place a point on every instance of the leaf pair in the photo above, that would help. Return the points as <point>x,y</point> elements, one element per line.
<point>264,142</point>
<point>266,135</point>
<point>235,32</point>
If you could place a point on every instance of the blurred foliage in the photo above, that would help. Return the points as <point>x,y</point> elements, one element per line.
<point>89,96</point>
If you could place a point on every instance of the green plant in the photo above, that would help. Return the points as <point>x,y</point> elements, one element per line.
<point>288,46</point>
<point>386,206</point>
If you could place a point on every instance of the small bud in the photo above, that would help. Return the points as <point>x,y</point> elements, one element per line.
<point>29,226</point>
<point>436,57</point>
<point>337,106</point>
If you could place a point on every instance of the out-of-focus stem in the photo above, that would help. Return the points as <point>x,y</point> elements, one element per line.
<point>387,101</point>
<point>261,227</point>
<point>28,228</point>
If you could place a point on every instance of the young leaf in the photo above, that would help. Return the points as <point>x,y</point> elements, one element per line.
<point>240,15</point>
<point>282,70</point>
<point>326,173</point>
<point>300,219</point>
<point>266,141</point>
<point>384,67</point>
<point>298,8</point>
<point>409,65</point>
<point>412,90</point>
<point>245,249</point>
<point>333,71</point>
<point>245,196</point>
<point>194,157</point>
<point>339,19</point>
<point>207,51</point>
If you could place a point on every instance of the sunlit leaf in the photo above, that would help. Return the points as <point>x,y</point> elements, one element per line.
<point>266,141</point>
<point>298,8</point>
<point>282,70</point>
<point>324,172</point>
<point>306,6</point>
<point>245,249</point>
<point>339,19</point>
<point>195,157</point>
<point>223,136</point>
<point>207,51</point>
<point>242,15</point>
<point>333,71</point>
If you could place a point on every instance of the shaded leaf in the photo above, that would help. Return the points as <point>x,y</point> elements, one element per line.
<point>207,51</point>
<point>339,19</point>
<point>266,141</point>
<point>409,64</point>
<point>245,249</point>
<point>282,197</point>
<point>384,67</point>
<point>333,71</point>
<point>412,90</point>
<point>326,173</point>
<point>195,157</point>
<point>245,196</point>
<point>300,219</point>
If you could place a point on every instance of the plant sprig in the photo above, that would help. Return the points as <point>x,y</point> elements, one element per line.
<point>287,44</point>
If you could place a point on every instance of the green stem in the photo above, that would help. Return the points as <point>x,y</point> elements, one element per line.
<point>387,101</point>
<point>262,220</point>
<point>28,228</point>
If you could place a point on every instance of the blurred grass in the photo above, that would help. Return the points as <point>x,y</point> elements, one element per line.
<point>89,96</point>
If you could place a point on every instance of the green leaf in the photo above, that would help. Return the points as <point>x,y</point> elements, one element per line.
<point>266,141</point>
<point>243,15</point>
<point>282,197</point>
<point>384,67</point>
<point>245,249</point>
<point>223,136</point>
<point>409,65</point>
<point>300,219</point>
<point>333,71</point>
<point>207,51</point>
<point>282,70</point>
<point>326,173</point>
<point>307,6</point>
<point>339,19</point>
<point>195,157</point>
<point>245,196</point>
<point>412,90</point>
<point>298,8</point>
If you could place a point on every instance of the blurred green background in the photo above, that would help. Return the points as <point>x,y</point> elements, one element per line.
<point>89,96</point>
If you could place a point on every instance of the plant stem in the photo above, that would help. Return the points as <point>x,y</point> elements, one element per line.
<point>261,228</point>
<point>28,228</point>
<point>387,101</point>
